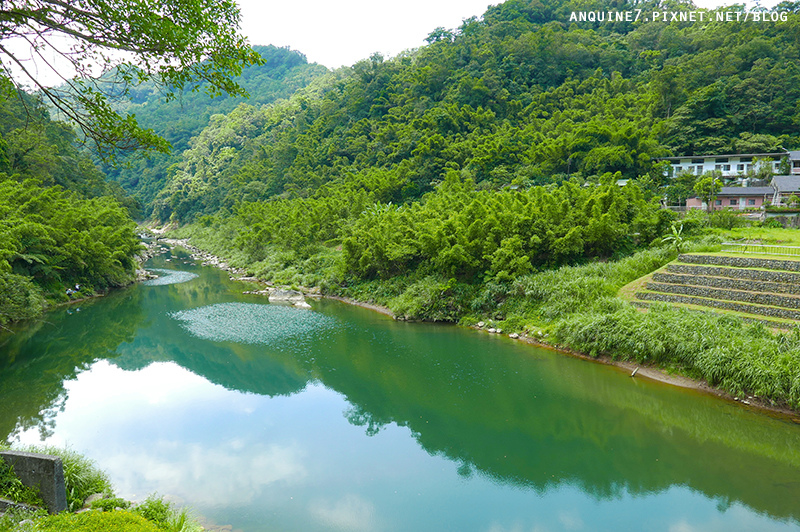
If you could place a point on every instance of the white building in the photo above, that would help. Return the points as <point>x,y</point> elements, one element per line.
<point>732,166</point>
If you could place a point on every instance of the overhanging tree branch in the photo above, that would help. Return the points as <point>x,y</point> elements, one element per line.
<point>181,45</point>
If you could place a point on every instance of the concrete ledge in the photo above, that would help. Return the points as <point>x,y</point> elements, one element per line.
<point>743,262</point>
<point>773,276</point>
<point>40,471</point>
<point>727,282</point>
<point>727,305</point>
<point>757,298</point>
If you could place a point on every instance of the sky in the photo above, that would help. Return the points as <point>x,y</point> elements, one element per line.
<point>341,32</point>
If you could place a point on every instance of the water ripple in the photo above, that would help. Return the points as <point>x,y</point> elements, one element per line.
<point>169,277</point>
<point>250,323</point>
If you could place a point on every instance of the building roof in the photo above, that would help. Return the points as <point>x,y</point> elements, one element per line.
<point>746,191</point>
<point>791,154</point>
<point>786,183</point>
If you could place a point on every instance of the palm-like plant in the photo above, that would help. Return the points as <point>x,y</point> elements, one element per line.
<point>676,237</point>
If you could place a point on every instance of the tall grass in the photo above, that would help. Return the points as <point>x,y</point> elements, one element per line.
<point>81,476</point>
<point>741,358</point>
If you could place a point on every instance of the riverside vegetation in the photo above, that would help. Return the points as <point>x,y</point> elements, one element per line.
<point>82,480</point>
<point>476,178</point>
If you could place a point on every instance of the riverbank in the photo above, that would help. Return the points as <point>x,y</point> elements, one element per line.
<point>549,334</point>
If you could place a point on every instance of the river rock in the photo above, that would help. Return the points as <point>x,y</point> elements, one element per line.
<point>302,304</point>
<point>513,335</point>
<point>286,295</point>
<point>481,324</point>
<point>491,330</point>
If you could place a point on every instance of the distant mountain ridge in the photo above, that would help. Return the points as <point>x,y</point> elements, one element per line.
<point>283,72</point>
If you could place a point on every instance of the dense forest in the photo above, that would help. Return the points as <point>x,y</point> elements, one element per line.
<point>61,223</point>
<point>178,119</point>
<point>493,151</point>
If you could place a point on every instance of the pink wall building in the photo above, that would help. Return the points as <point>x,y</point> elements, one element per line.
<point>737,198</point>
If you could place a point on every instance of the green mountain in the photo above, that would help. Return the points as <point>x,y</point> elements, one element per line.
<point>283,72</point>
<point>522,96</point>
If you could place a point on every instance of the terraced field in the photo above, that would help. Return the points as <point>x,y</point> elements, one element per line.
<point>761,288</point>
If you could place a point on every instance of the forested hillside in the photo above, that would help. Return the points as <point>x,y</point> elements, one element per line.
<point>178,120</point>
<point>61,223</point>
<point>490,152</point>
<point>521,96</point>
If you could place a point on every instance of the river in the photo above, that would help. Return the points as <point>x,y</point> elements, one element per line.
<point>271,418</point>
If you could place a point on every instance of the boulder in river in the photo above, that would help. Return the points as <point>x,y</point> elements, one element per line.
<point>290,296</point>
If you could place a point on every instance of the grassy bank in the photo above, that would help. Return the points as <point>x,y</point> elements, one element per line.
<point>83,479</point>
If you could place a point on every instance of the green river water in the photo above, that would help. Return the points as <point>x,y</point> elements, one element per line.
<point>270,418</point>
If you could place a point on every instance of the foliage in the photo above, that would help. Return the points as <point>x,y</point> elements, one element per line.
<point>514,99</point>
<point>110,503</point>
<point>11,518</point>
<point>12,488</point>
<point>119,521</point>
<point>725,219</point>
<point>165,516</point>
<point>51,239</point>
<point>707,188</point>
<point>676,238</point>
<point>179,45</point>
<point>279,75</point>
<point>81,476</point>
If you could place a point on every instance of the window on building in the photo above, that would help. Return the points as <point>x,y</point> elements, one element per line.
<point>734,202</point>
<point>700,170</point>
<point>697,161</point>
<point>678,169</point>
<point>717,167</point>
<point>721,160</point>
<point>740,168</point>
<point>751,202</point>
<point>718,202</point>
<point>746,159</point>
<point>726,168</point>
<point>795,164</point>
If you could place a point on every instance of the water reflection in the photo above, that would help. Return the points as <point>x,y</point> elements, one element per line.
<point>249,323</point>
<point>352,421</point>
<point>166,276</point>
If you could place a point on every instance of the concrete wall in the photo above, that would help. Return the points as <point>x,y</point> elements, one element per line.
<point>725,282</point>
<point>757,298</point>
<point>40,471</point>
<point>727,305</point>
<point>717,271</point>
<point>742,262</point>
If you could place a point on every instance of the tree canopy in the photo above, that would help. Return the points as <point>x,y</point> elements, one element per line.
<point>177,44</point>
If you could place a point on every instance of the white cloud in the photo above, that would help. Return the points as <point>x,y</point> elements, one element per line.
<point>351,513</point>
<point>223,475</point>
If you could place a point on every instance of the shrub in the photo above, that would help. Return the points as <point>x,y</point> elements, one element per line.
<point>119,521</point>
<point>165,516</point>
<point>81,477</point>
<point>12,488</point>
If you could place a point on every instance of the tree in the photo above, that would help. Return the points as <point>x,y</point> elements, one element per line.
<point>707,189</point>
<point>112,45</point>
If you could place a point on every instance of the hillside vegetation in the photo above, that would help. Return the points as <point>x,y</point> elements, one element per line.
<point>282,73</point>
<point>61,223</point>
